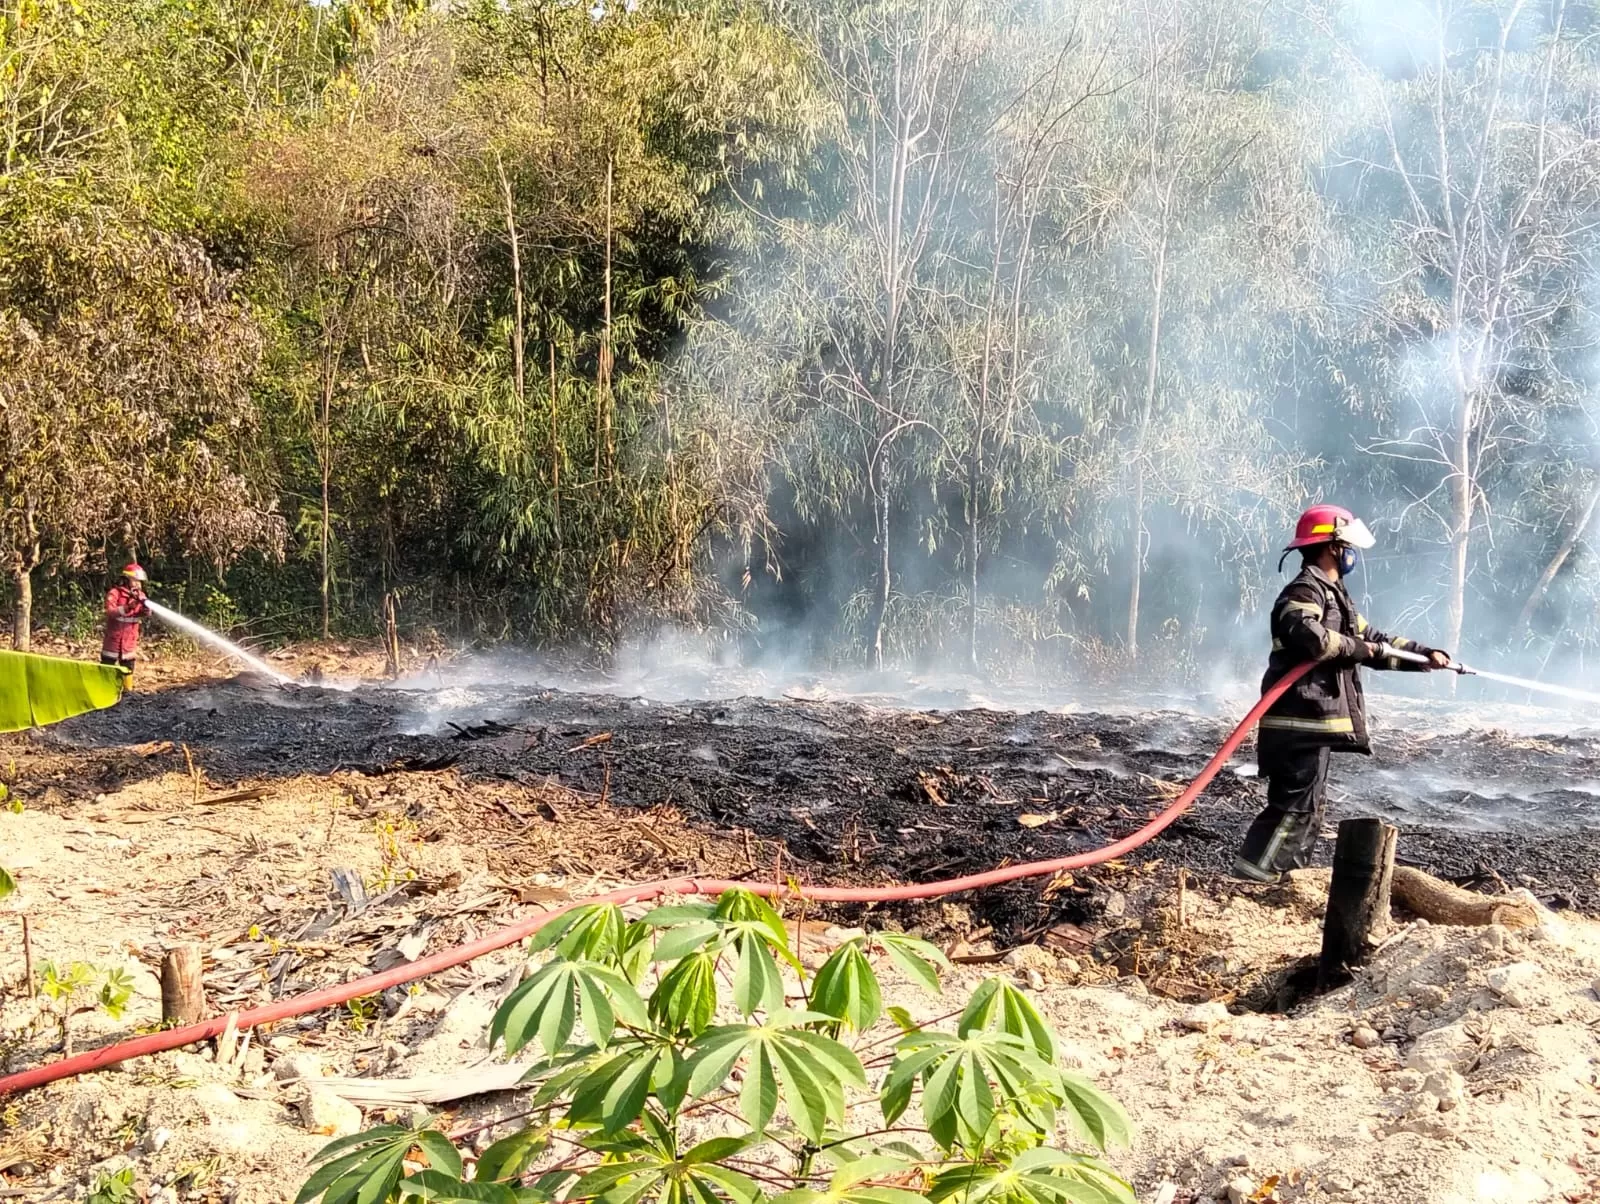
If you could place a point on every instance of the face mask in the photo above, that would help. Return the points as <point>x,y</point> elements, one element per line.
<point>1349,560</point>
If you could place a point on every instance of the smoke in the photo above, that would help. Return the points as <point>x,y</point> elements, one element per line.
<point>674,666</point>
<point>1308,351</point>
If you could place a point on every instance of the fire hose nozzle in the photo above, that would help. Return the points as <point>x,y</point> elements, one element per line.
<point>1416,658</point>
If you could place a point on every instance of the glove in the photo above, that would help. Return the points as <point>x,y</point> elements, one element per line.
<point>1436,658</point>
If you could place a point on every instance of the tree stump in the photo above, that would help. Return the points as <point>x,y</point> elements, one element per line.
<point>183,999</point>
<point>1358,896</point>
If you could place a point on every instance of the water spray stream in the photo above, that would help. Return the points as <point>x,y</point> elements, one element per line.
<point>1522,683</point>
<point>1541,686</point>
<point>206,636</point>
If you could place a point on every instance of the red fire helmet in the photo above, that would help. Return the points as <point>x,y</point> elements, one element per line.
<point>1331,524</point>
<point>134,571</point>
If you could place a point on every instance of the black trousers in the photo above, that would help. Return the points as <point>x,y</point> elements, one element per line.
<point>1283,836</point>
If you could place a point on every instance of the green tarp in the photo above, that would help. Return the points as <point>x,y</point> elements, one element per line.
<point>37,690</point>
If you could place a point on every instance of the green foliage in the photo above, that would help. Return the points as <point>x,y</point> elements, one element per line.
<point>114,1189</point>
<point>367,1167</point>
<point>362,1012</point>
<point>116,988</point>
<point>110,988</point>
<point>554,320</point>
<point>549,1005</point>
<point>640,1039</point>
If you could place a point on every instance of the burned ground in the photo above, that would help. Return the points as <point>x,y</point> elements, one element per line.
<point>862,793</point>
<point>303,837</point>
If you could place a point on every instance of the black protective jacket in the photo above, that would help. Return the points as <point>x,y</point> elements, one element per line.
<point>1315,620</point>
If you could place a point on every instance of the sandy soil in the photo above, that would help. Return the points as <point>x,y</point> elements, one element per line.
<point>1459,1067</point>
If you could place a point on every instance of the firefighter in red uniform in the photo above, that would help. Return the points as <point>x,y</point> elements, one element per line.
<point>125,607</point>
<point>1325,711</point>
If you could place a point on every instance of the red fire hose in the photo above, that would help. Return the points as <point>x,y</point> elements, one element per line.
<point>409,972</point>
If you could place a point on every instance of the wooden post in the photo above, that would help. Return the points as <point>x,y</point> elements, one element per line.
<point>391,638</point>
<point>1358,897</point>
<point>183,999</point>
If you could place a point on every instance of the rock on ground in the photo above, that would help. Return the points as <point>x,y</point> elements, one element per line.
<point>328,1115</point>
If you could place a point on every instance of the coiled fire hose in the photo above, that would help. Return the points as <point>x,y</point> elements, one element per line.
<point>325,997</point>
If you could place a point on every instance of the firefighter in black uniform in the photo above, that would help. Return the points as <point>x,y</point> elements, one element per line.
<point>1324,712</point>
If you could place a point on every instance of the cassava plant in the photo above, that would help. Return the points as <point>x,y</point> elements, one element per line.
<point>678,1066</point>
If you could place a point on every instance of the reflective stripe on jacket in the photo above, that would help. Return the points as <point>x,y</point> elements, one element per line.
<point>1315,620</point>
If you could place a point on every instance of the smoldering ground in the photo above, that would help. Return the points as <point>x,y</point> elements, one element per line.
<point>857,791</point>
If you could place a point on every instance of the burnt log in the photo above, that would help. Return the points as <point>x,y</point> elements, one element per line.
<point>1358,897</point>
<point>1439,902</point>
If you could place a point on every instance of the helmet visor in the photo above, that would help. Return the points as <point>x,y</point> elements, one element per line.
<point>1354,532</point>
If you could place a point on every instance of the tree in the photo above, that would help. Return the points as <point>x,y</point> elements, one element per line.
<point>1194,184</point>
<point>126,352</point>
<point>123,391</point>
<point>900,76</point>
<point>1474,202</point>
<point>1006,452</point>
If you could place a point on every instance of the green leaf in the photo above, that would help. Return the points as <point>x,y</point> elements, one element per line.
<point>556,1076</point>
<point>846,987</point>
<point>633,958</point>
<point>671,1081</point>
<point>811,1069</point>
<point>592,932</point>
<point>737,1187</point>
<point>742,905</point>
<point>614,1093</point>
<point>361,1169</point>
<point>643,1164</point>
<point>680,913</point>
<point>757,985</point>
<point>553,1183</point>
<point>917,959</point>
<point>548,1005</point>
<point>686,998</point>
<point>510,1156</point>
<point>959,1077</point>
<point>1097,1117</point>
<point>374,1136</point>
<point>435,1185</point>
<point>441,1152</point>
<point>998,1006</point>
<point>8,884</point>
<point>36,691</point>
<point>902,1019</point>
<point>683,939</point>
<point>850,1184</point>
<point>840,1061</point>
<point>714,1056</point>
<point>553,929</point>
<point>718,1149</point>
<point>758,1097</point>
<point>599,1020</point>
<point>1036,1176</point>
